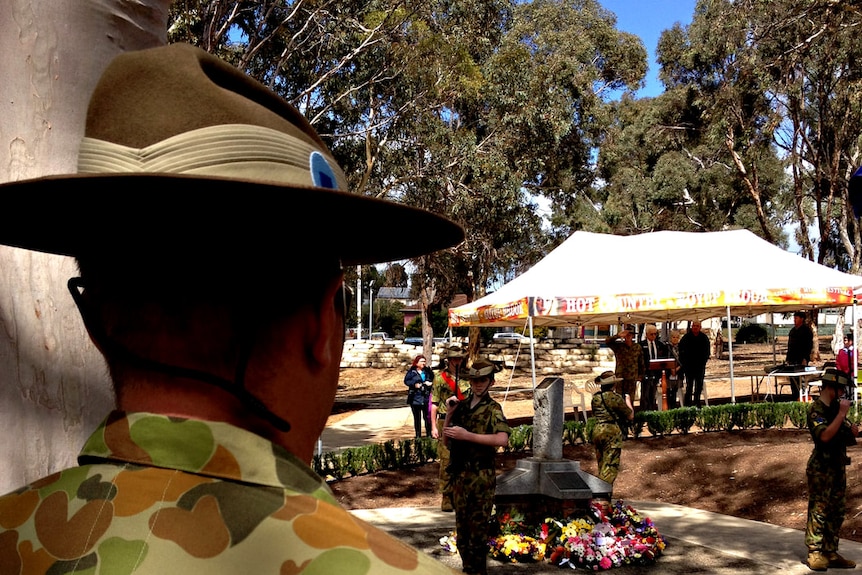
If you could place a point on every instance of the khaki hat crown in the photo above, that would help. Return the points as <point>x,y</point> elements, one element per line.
<point>482,368</point>
<point>180,143</point>
<point>834,377</point>
<point>453,352</point>
<point>607,378</point>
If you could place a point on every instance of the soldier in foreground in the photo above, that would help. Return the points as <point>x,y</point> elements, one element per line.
<point>827,472</point>
<point>224,370</point>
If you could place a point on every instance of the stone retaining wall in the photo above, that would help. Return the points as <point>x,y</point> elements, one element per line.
<point>553,357</point>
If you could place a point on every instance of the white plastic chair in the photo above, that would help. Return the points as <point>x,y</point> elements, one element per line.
<point>591,388</point>
<point>580,404</point>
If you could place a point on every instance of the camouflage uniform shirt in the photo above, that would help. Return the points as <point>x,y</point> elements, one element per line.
<point>629,358</point>
<point>486,418</point>
<point>440,391</point>
<point>156,494</point>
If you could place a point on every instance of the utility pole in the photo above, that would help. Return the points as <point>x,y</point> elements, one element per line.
<point>359,303</point>
<point>370,308</point>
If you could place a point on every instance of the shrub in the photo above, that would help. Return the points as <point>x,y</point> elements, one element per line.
<point>389,455</point>
<point>573,431</point>
<point>427,449</point>
<point>588,429</point>
<point>711,418</point>
<point>685,418</point>
<point>660,422</point>
<point>637,425</point>
<point>797,412</point>
<point>769,415</point>
<point>741,416</point>
<point>405,453</point>
<point>335,464</point>
<point>520,438</point>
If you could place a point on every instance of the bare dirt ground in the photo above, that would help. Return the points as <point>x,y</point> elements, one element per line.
<point>753,474</point>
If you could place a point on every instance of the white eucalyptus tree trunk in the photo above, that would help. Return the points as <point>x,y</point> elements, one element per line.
<point>53,384</point>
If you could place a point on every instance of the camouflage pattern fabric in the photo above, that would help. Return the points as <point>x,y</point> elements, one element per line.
<point>629,364</point>
<point>440,392</point>
<point>155,494</point>
<point>609,408</point>
<point>474,481</point>
<point>473,498</point>
<point>827,480</point>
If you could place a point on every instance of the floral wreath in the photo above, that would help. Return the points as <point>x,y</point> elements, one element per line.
<point>600,540</point>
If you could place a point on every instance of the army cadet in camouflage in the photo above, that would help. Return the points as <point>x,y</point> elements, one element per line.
<point>610,409</point>
<point>630,366</point>
<point>447,382</point>
<point>475,428</point>
<point>224,371</point>
<point>826,471</point>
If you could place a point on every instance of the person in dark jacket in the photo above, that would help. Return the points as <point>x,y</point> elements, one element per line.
<point>652,349</point>
<point>418,380</point>
<point>800,343</point>
<point>693,355</point>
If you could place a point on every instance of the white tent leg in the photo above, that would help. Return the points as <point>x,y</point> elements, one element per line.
<point>532,351</point>
<point>730,358</point>
<point>772,323</point>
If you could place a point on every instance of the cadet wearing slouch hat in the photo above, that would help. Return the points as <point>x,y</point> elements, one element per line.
<point>475,428</point>
<point>826,472</point>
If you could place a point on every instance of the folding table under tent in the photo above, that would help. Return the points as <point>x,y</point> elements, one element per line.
<point>601,279</point>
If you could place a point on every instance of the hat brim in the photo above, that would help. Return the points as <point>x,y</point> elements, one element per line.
<point>835,380</point>
<point>107,214</point>
<point>612,381</point>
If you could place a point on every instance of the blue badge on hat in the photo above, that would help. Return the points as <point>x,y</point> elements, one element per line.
<point>321,172</point>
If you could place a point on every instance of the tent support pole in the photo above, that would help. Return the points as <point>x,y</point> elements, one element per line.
<point>774,339</point>
<point>532,351</point>
<point>730,357</point>
<point>855,359</point>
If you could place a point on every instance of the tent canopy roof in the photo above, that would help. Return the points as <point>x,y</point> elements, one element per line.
<point>661,276</point>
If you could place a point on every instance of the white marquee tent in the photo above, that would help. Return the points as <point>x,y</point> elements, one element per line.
<point>600,279</point>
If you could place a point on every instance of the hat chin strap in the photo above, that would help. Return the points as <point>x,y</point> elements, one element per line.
<point>235,388</point>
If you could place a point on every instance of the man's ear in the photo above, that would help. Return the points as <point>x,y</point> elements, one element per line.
<point>326,337</point>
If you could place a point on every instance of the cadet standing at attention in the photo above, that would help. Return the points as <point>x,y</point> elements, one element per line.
<point>475,428</point>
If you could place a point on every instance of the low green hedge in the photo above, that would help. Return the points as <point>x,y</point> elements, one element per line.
<point>728,417</point>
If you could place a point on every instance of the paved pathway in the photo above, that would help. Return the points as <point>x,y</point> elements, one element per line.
<point>698,542</point>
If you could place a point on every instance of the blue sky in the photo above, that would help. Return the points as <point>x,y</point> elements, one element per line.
<point>648,19</point>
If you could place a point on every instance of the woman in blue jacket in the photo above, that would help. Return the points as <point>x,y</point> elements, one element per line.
<point>418,381</point>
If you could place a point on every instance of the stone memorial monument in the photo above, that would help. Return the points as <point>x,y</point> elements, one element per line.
<point>546,485</point>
